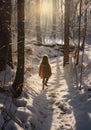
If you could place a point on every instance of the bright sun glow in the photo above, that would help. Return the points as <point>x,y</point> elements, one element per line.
<point>46,8</point>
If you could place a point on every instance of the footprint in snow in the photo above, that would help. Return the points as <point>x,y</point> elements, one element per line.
<point>65,108</point>
<point>52,95</point>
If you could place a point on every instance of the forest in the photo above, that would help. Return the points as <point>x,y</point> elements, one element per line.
<point>61,30</point>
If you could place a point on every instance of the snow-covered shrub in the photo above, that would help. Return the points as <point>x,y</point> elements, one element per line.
<point>10,108</point>
<point>26,116</point>
<point>11,125</point>
<point>1,121</point>
<point>20,102</point>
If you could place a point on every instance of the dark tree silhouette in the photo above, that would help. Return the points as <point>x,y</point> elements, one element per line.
<point>19,79</point>
<point>10,62</point>
<point>66,33</point>
<point>5,31</point>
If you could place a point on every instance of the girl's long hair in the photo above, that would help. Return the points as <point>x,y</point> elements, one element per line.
<point>45,60</point>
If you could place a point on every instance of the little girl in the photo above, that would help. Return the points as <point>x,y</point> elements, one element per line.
<point>45,71</point>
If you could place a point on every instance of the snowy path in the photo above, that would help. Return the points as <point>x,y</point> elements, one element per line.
<point>54,111</point>
<point>60,106</point>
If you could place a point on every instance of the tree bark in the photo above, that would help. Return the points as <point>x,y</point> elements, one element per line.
<point>5,31</point>
<point>66,33</point>
<point>79,34</point>
<point>19,79</point>
<point>54,20</point>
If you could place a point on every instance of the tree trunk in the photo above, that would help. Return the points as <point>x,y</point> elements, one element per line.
<point>5,31</point>
<point>54,20</point>
<point>83,42</point>
<point>10,62</point>
<point>66,33</point>
<point>79,34</point>
<point>19,79</point>
<point>38,27</point>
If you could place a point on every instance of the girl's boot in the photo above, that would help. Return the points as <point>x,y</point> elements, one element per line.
<point>43,86</point>
<point>46,82</point>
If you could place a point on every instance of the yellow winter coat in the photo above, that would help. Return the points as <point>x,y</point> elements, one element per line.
<point>45,71</point>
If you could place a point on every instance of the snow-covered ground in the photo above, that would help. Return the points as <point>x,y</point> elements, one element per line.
<point>61,106</point>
